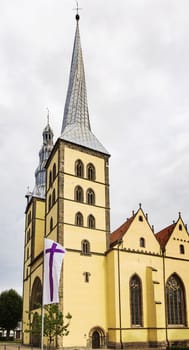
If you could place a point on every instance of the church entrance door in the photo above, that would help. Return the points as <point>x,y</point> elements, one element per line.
<point>95,340</point>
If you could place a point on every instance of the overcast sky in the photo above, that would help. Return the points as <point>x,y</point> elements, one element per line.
<point>136,56</point>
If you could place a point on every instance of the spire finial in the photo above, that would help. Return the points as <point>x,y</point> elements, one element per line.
<point>47,116</point>
<point>77,8</point>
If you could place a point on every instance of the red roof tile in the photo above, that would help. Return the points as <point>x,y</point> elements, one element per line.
<point>120,231</point>
<point>164,235</point>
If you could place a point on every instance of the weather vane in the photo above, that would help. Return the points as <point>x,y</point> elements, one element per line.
<point>77,8</point>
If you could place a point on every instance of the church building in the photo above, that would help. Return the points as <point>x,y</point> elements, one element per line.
<point>125,289</point>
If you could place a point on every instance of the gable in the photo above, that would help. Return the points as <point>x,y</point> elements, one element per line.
<point>136,234</point>
<point>178,243</point>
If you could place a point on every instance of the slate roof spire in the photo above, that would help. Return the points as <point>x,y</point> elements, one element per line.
<point>40,172</point>
<point>76,124</point>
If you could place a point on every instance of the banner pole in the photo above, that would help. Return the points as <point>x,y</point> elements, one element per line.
<point>42,306</point>
<point>42,326</point>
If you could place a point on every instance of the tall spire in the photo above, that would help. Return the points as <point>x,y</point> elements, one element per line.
<point>76,124</point>
<point>76,107</point>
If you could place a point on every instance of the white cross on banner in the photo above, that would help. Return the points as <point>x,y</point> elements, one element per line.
<point>53,257</point>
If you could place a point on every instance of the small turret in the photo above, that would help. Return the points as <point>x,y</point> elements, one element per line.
<point>40,173</point>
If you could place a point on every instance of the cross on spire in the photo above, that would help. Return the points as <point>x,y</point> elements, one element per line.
<point>77,8</point>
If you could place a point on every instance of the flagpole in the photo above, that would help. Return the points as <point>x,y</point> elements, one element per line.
<point>42,306</point>
<point>50,286</point>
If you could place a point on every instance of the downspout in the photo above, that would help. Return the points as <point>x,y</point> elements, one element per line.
<point>165,301</point>
<point>119,293</point>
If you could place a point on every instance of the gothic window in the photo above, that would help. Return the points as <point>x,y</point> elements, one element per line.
<point>142,242</point>
<point>36,294</point>
<point>91,221</point>
<point>136,301</point>
<point>79,194</point>
<point>50,178</point>
<point>49,202</point>
<point>79,219</point>
<point>85,247</point>
<point>53,197</point>
<point>175,299</point>
<point>140,218</point>
<point>181,249</point>
<point>180,227</point>
<point>54,171</point>
<point>91,173</point>
<point>79,169</point>
<point>51,223</point>
<point>90,196</point>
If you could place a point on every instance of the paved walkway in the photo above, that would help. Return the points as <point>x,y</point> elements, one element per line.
<point>9,346</point>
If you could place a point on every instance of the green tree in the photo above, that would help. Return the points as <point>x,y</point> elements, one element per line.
<point>55,324</point>
<point>10,310</point>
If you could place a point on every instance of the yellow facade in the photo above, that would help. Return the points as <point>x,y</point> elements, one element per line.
<point>101,305</point>
<point>126,289</point>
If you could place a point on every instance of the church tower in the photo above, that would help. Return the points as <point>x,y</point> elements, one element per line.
<point>70,205</point>
<point>77,211</point>
<point>124,290</point>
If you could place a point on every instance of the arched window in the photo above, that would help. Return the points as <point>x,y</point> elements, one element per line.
<point>142,242</point>
<point>90,196</point>
<point>91,173</point>
<point>140,218</point>
<point>181,247</point>
<point>51,223</point>
<point>50,202</point>
<point>79,219</point>
<point>54,171</point>
<point>53,197</point>
<point>85,247</point>
<point>136,301</point>
<point>91,221</point>
<point>79,169</point>
<point>175,300</point>
<point>79,194</point>
<point>50,178</point>
<point>36,294</point>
